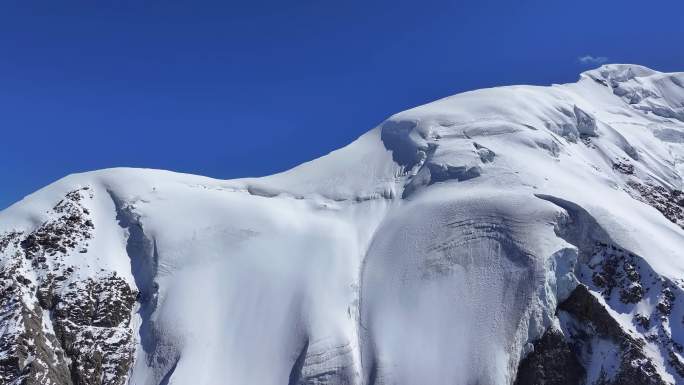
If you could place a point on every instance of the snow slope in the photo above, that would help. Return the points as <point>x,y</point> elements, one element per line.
<point>437,248</point>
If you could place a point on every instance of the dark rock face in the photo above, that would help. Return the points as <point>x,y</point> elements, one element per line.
<point>561,359</point>
<point>670,203</point>
<point>91,321</point>
<point>596,338</point>
<point>614,283</point>
<point>586,308</point>
<point>59,328</point>
<point>59,235</point>
<point>626,282</point>
<point>617,270</point>
<point>551,363</point>
<point>29,355</point>
<point>612,279</point>
<point>624,167</point>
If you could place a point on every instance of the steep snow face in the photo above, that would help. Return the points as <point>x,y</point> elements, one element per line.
<point>464,241</point>
<point>454,281</point>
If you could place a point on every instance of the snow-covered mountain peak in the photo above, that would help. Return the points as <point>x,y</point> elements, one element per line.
<point>620,72</point>
<point>517,234</point>
<point>647,90</point>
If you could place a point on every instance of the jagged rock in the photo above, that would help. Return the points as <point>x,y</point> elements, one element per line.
<point>634,366</point>
<point>585,307</point>
<point>552,362</point>
<point>642,321</point>
<point>616,269</point>
<point>29,354</point>
<point>666,301</point>
<point>623,167</point>
<point>669,203</point>
<point>87,339</point>
<point>91,320</point>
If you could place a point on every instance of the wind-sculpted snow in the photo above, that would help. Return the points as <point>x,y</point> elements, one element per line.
<point>645,89</point>
<point>453,284</point>
<point>498,236</point>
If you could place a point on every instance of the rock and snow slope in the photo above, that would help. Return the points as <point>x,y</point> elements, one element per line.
<point>519,235</point>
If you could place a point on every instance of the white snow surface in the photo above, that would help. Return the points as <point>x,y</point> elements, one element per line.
<point>425,252</point>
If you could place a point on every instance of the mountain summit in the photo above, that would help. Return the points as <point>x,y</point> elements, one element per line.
<point>512,235</point>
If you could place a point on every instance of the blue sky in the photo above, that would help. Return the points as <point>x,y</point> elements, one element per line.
<point>247,88</point>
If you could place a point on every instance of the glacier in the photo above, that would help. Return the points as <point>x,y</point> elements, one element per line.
<point>511,235</point>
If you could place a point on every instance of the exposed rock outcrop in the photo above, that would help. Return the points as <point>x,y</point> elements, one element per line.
<point>60,328</point>
<point>552,362</point>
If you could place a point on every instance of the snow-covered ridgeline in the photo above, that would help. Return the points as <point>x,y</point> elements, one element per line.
<point>445,245</point>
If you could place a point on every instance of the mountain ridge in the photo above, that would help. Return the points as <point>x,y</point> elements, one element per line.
<point>474,239</point>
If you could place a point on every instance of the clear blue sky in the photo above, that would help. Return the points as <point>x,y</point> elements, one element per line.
<point>247,88</point>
